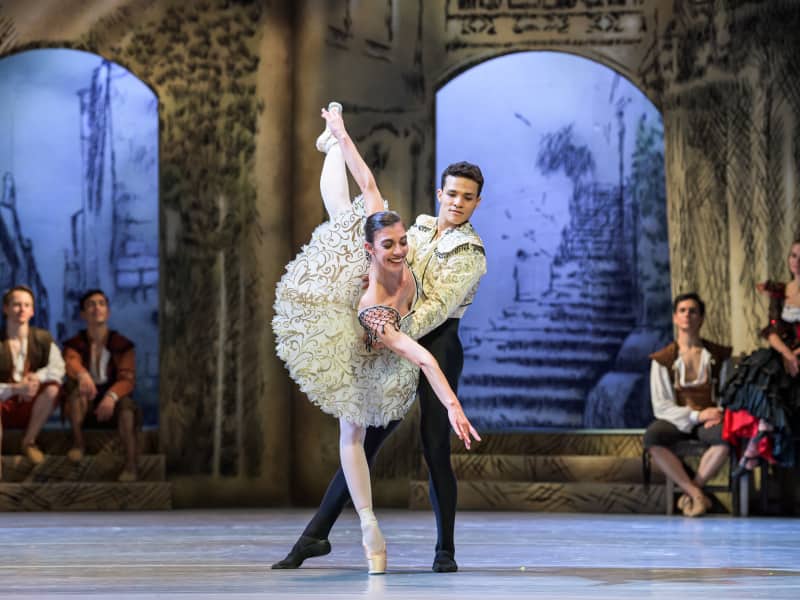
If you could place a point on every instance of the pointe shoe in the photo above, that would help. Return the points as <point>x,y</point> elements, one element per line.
<point>376,562</point>
<point>373,542</point>
<point>326,140</point>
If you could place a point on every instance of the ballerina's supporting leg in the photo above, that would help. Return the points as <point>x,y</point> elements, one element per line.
<point>356,473</point>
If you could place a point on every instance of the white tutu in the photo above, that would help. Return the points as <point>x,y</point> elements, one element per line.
<point>319,337</point>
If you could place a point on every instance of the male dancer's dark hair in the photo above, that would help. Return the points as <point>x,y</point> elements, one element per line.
<point>466,170</point>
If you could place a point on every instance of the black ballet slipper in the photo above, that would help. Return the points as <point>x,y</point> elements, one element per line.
<point>749,462</point>
<point>444,562</point>
<point>746,465</point>
<point>306,547</point>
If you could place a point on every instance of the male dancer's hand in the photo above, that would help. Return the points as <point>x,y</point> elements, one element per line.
<point>461,425</point>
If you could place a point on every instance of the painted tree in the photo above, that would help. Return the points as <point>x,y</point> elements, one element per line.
<point>559,151</point>
<point>647,187</point>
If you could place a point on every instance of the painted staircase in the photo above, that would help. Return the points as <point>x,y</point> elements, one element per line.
<point>537,364</point>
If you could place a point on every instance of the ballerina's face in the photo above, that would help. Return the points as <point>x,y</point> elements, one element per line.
<point>794,260</point>
<point>390,247</point>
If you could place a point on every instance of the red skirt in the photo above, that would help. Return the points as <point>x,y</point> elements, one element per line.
<point>738,427</point>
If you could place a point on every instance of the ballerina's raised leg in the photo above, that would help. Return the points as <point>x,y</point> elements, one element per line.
<point>333,180</point>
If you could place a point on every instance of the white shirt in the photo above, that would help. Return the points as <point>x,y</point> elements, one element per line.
<point>662,390</point>
<point>52,371</point>
<point>98,369</point>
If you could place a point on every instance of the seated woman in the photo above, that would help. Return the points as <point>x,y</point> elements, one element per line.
<point>763,396</point>
<point>345,347</point>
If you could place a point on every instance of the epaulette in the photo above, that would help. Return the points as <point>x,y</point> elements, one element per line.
<point>425,223</point>
<point>458,240</point>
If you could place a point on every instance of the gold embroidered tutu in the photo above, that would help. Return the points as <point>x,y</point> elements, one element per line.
<point>318,335</point>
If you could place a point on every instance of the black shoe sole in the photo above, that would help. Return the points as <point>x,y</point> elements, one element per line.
<point>296,557</point>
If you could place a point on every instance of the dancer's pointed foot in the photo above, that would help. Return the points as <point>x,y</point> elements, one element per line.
<point>444,562</point>
<point>373,541</point>
<point>326,140</point>
<point>306,547</point>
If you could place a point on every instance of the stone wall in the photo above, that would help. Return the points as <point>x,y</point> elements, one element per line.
<point>222,73</point>
<point>240,85</point>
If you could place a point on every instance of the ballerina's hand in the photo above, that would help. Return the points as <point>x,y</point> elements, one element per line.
<point>462,426</point>
<point>335,123</point>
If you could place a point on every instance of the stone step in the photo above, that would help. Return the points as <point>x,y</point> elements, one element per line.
<point>578,497</point>
<point>59,441</point>
<point>511,374</point>
<point>515,397</point>
<point>540,356</point>
<point>624,444</point>
<point>556,313</point>
<point>594,306</point>
<point>100,467</point>
<point>488,418</point>
<point>544,327</point>
<point>604,289</point>
<point>553,469</point>
<point>144,495</point>
<point>506,340</point>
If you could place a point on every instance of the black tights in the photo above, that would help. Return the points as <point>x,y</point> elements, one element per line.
<point>444,344</point>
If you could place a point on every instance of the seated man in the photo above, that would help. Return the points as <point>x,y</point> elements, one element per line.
<point>101,373</point>
<point>31,370</point>
<point>683,377</point>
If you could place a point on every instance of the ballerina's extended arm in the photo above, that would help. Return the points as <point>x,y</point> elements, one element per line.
<point>373,201</point>
<point>400,343</point>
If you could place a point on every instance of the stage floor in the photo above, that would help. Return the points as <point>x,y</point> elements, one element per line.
<point>226,554</point>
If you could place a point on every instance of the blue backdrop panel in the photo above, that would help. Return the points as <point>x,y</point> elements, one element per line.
<point>574,221</point>
<point>79,162</point>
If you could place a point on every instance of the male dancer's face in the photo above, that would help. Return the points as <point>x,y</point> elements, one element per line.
<point>458,199</point>
<point>95,310</point>
<point>19,308</point>
<point>687,316</point>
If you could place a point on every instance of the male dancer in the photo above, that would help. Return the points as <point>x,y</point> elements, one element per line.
<point>683,378</point>
<point>31,370</point>
<point>448,259</point>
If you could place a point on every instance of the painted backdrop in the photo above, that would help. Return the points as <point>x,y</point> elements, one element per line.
<point>574,221</point>
<point>79,162</point>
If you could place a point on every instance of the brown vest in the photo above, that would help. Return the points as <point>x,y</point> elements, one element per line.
<point>701,396</point>
<point>39,341</point>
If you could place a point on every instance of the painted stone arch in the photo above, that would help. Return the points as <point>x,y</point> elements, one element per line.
<point>573,216</point>
<point>80,202</point>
